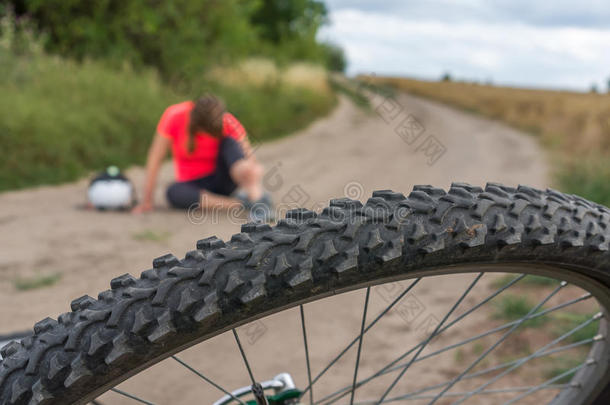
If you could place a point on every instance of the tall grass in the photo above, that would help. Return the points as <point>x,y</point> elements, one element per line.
<point>588,176</point>
<point>575,126</point>
<point>60,119</point>
<point>256,72</point>
<point>306,76</point>
<point>271,112</point>
<point>261,72</point>
<point>271,101</point>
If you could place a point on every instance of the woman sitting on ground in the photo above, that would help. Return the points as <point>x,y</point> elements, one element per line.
<point>212,160</point>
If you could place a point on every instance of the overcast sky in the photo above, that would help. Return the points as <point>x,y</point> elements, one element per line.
<point>559,44</point>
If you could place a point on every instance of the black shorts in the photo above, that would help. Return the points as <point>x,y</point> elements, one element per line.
<point>184,194</point>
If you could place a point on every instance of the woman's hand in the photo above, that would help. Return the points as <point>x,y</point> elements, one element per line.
<point>142,208</point>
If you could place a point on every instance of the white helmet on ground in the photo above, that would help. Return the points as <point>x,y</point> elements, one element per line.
<point>111,190</point>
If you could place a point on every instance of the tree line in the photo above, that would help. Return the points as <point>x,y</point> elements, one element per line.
<point>182,37</point>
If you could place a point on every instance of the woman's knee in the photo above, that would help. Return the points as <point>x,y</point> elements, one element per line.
<point>255,171</point>
<point>247,171</point>
<point>182,195</point>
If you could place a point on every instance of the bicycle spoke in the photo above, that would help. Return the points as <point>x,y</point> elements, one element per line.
<point>458,394</point>
<point>500,328</point>
<point>546,384</point>
<point>130,396</point>
<point>366,305</point>
<point>381,314</point>
<point>306,353</point>
<point>503,365</point>
<point>527,358</point>
<point>243,356</point>
<point>392,366</point>
<point>206,379</point>
<point>480,304</point>
<point>432,335</point>
<point>386,370</point>
<point>497,343</point>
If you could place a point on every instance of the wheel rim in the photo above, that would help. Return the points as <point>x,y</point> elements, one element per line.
<point>588,377</point>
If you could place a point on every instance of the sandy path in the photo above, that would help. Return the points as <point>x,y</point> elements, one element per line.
<point>350,151</point>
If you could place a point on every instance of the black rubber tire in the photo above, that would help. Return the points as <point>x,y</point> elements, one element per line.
<point>178,303</point>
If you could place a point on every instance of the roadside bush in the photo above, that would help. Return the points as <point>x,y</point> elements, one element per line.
<point>60,119</point>
<point>180,37</point>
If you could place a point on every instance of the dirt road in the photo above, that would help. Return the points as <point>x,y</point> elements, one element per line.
<point>350,152</point>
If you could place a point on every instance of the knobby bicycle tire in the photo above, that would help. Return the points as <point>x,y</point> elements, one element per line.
<point>306,256</point>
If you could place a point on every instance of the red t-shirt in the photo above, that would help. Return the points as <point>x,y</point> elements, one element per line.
<point>201,162</point>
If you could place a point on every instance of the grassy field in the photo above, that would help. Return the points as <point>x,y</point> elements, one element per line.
<point>61,120</point>
<point>574,126</point>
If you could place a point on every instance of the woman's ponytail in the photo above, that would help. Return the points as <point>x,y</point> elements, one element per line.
<point>207,116</point>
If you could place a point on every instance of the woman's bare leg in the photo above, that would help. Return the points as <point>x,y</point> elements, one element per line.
<point>215,201</point>
<point>247,174</point>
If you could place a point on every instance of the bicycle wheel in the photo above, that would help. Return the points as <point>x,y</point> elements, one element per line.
<point>309,256</point>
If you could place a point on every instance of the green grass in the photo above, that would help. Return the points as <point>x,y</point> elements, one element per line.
<point>458,356</point>
<point>350,88</point>
<point>504,280</point>
<point>529,280</point>
<point>539,281</point>
<point>61,120</point>
<point>564,322</point>
<point>36,281</point>
<point>559,365</point>
<point>589,178</point>
<point>478,348</point>
<point>512,307</point>
<point>149,235</point>
<point>381,89</point>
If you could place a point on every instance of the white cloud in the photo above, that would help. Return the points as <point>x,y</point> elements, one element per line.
<point>508,51</point>
<point>573,13</point>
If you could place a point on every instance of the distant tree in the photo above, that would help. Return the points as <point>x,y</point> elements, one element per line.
<point>335,58</point>
<point>172,36</point>
<point>288,29</point>
<point>608,85</point>
<point>446,77</point>
<point>180,36</point>
<point>280,20</point>
<point>594,88</point>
